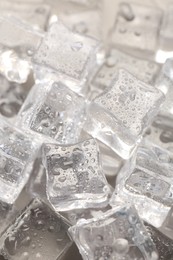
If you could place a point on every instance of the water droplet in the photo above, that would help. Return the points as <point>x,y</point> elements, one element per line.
<point>121,246</point>
<point>76,46</point>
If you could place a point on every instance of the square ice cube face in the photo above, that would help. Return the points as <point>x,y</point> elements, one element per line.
<point>144,70</point>
<point>116,234</point>
<point>74,176</point>
<point>119,116</point>
<point>38,233</point>
<point>17,152</point>
<point>53,110</point>
<point>166,31</point>
<point>137,28</point>
<point>149,185</point>
<point>66,55</point>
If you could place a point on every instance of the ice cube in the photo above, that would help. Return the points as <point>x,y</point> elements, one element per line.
<point>144,70</point>
<point>117,234</point>
<point>53,110</point>
<point>119,116</point>
<point>38,233</point>
<point>166,32</point>
<point>67,56</point>
<point>17,44</point>
<point>17,152</point>
<point>74,176</point>
<point>136,28</point>
<point>149,185</point>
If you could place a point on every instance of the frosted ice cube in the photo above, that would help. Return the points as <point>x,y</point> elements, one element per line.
<point>83,24</point>
<point>53,110</point>
<point>144,70</point>
<point>117,234</point>
<point>37,233</point>
<point>17,44</point>
<point>66,55</point>
<point>164,83</point>
<point>17,152</point>
<point>119,116</point>
<point>163,244</point>
<point>166,32</point>
<point>149,185</point>
<point>136,28</point>
<point>74,176</point>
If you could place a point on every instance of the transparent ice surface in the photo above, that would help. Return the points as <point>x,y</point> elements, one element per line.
<point>119,116</point>
<point>72,216</point>
<point>136,28</point>
<point>117,234</point>
<point>163,244</point>
<point>166,31</point>
<point>12,96</point>
<point>144,70</point>
<point>149,185</point>
<point>165,84</point>
<point>36,13</point>
<point>53,110</point>
<point>17,44</point>
<point>161,133</point>
<point>82,23</point>
<point>17,152</point>
<point>38,233</point>
<point>69,56</point>
<point>74,176</point>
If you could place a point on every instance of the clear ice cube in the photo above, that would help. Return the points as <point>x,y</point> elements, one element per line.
<point>149,185</point>
<point>74,176</point>
<point>119,116</point>
<point>17,152</point>
<point>136,28</point>
<point>117,234</point>
<point>38,233</point>
<point>18,42</point>
<point>66,55</point>
<point>53,110</point>
<point>144,70</point>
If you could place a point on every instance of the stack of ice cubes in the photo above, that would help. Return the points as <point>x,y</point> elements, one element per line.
<point>86,132</point>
